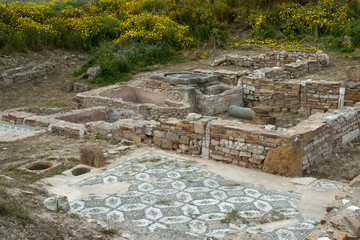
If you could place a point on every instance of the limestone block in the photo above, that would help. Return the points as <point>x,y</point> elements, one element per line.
<point>167,144</point>
<point>285,160</point>
<point>355,182</point>
<point>92,156</point>
<point>172,136</point>
<point>338,235</point>
<point>353,224</point>
<point>199,128</point>
<point>57,203</point>
<point>93,72</point>
<point>353,73</point>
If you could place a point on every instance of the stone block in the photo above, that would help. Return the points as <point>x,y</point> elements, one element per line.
<point>159,134</point>
<point>157,141</point>
<point>339,235</point>
<point>184,140</point>
<point>172,137</point>
<point>353,73</point>
<point>353,224</point>
<point>92,156</point>
<point>199,128</point>
<point>355,182</point>
<point>285,160</point>
<point>167,144</point>
<point>335,222</point>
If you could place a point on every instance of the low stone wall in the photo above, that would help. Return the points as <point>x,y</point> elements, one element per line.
<point>147,110</point>
<point>225,76</point>
<point>292,95</point>
<point>276,59</point>
<point>211,104</point>
<point>186,136</point>
<point>25,73</point>
<point>267,92</point>
<point>284,151</point>
<point>242,144</point>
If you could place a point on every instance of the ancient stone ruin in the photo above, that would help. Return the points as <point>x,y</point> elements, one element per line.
<point>188,112</point>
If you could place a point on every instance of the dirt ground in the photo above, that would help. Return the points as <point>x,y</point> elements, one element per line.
<point>22,215</point>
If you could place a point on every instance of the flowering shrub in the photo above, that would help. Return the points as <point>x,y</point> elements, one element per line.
<point>292,21</point>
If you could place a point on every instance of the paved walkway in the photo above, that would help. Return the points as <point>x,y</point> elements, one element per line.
<point>173,193</point>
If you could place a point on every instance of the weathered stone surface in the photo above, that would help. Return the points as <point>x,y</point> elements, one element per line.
<point>167,144</point>
<point>355,182</point>
<point>92,156</point>
<point>220,61</point>
<point>51,203</point>
<point>353,73</point>
<point>193,116</point>
<point>57,203</point>
<point>68,86</point>
<point>353,224</point>
<point>80,87</point>
<point>199,128</point>
<point>172,136</point>
<point>335,222</point>
<point>93,72</point>
<point>285,160</point>
<point>262,109</point>
<point>63,203</point>
<point>263,120</point>
<point>241,112</point>
<point>303,180</point>
<point>331,206</point>
<point>338,235</point>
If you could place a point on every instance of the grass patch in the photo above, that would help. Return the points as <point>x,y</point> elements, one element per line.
<point>13,211</point>
<point>231,216</point>
<point>10,168</point>
<point>74,159</point>
<point>120,63</point>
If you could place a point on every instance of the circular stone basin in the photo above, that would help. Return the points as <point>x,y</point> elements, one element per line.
<point>40,167</point>
<point>185,77</point>
<point>80,171</point>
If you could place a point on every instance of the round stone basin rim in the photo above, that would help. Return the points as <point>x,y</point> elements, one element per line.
<point>185,77</point>
<point>40,167</point>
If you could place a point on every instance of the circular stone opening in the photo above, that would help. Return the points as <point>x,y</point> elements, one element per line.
<point>40,166</point>
<point>80,171</point>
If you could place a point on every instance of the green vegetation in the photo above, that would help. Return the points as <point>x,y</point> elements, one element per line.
<point>128,36</point>
<point>231,216</point>
<point>13,211</point>
<point>10,168</point>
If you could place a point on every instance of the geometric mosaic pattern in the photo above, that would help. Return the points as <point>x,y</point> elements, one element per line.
<point>5,126</point>
<point>173,193</point>
<point>328,184</point>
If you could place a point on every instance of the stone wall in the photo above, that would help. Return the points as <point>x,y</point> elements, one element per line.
<point>186,136</point>
<point>147,110</point>
<point>292,95</point>
<point>233,78</point>
<point>26,73</point>
<point>267,92</point>
<point>277,59</point>
<point>211,104</point>
<point>283,151</point>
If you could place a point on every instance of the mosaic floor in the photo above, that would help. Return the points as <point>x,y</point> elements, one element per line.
<point>4,126</point>
<point>13,132</point>
<point>173,193</point>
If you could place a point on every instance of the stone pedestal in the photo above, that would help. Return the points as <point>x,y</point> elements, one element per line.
<point>262,115</point>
